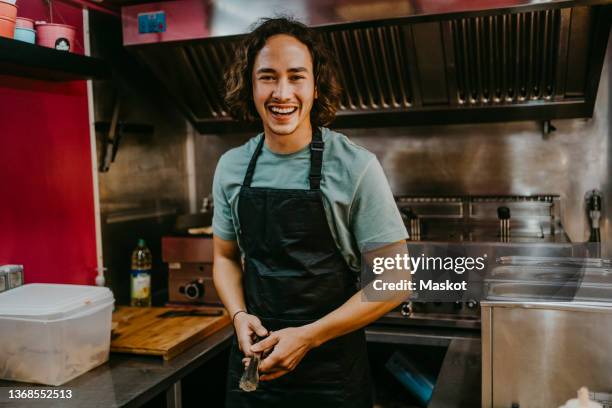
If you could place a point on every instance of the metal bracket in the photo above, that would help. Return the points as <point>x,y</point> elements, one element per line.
<point>113,132</point>
<point>111,141</point>
<point>547,128</point>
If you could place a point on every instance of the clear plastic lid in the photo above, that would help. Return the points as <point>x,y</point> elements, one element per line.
<point>44,301</point>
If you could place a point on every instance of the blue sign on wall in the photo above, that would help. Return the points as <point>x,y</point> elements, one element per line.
<point>153,22</point>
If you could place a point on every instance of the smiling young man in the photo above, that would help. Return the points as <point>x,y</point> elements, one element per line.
<point>293,207</point>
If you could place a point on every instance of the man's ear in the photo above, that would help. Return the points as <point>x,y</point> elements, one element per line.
<point>316,94</point>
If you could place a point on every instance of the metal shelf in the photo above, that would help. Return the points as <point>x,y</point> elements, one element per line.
<point>32,61</point>
<point>424,336</point>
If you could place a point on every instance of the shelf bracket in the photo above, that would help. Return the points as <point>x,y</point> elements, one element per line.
<point>112,134</point>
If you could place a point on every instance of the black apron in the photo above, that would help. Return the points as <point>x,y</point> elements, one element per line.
<point>293,275</point>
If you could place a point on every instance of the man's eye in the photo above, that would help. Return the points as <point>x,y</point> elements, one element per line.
<point>266,78</point>
<point>297,77</point>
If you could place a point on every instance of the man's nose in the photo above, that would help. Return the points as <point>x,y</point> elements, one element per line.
<point>282,91</point>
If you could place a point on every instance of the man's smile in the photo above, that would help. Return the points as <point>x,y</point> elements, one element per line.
<point>282,112</point>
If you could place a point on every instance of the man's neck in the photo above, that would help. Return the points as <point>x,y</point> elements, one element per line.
<point>287,144</point>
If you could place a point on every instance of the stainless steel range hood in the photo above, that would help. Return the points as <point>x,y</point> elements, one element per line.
<point>404,63</point>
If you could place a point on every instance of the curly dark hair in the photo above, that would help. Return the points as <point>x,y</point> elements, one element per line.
<point>238,77</point>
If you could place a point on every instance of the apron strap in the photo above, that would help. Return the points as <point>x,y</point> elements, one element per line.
<point>248,177</point>
<point>316,160</point>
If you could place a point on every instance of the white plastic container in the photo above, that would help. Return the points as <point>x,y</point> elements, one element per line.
<point>51,334</point>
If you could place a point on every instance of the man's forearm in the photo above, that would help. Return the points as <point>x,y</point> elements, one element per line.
<point>354,314</point>
<point>227,275</point>
<point>362,309</point>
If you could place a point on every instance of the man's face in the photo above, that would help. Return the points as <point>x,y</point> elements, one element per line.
<point>283,84</point>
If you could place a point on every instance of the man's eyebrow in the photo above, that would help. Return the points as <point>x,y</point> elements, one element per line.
<point>272,70</point>
<point>265,70</point>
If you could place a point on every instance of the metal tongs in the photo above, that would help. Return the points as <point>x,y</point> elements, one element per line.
<point>250,378</point>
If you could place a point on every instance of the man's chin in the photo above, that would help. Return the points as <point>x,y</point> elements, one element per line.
<point>282,130</point>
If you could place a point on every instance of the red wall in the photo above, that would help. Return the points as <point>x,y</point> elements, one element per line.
<point>46,192</point>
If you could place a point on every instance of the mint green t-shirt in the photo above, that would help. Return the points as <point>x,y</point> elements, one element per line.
<point>358,202</point>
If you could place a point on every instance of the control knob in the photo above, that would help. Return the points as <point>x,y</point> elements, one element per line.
<point>193,290</point>
<point>406,309</point>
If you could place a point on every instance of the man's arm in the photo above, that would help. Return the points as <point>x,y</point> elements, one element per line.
<point>360,310</point>
<point>227,276</point>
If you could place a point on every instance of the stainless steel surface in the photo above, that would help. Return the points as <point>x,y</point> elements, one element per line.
<point>536,279</point>
<point>538,355</point>
<point>511,158</point>
<point>127,381</point>
<point>546,292</point>
<point>458,383</point>
<point>435,315</point>
<point>498,65</point>
<point>191,283</point>
<point>486,356</point>
<point>187,249</point>
<point>606,184</point>
<point>236,16</point>
<point>149,176</point>
<point>418,335</point>
<point>472,218</point>
<point>173,396</point>
<point>3,281</point>
<point>189,262</point>
<point>535,261</point>
<point>230,17</point>
<point>544,274</point>
<point>506,159</point>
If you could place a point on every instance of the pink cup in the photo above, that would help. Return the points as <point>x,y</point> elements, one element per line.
<point>23,22</point>
<point>8,10</point>
<point>58,36</point>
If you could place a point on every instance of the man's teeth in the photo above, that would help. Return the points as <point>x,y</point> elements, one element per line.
<point>282,110</point>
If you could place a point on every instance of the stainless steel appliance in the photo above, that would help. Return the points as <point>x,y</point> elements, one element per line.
<point>403,63</point>
<point>190,261</point>
<point>539,354</point>
<point>483,218</point>
<point>494,220</point>
<point>546,330</point>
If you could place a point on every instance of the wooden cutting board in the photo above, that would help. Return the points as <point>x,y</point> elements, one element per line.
<point>162,331</point>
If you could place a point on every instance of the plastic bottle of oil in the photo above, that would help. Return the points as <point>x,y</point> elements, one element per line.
<point>141,275</point>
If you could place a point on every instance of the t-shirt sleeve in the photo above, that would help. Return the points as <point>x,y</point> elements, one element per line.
<point>374,216</point>
<point>223,225</point>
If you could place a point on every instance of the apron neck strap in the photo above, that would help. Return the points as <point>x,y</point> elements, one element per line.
<point>248,177</point>
<point>316,160</point>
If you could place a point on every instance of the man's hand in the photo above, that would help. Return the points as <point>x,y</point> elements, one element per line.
<point>247,326</point>
<point>288,347</point>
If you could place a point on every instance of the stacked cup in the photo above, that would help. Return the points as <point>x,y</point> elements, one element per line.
<point>24,30</point>
<point>58,36</point>
<point>8,14</point>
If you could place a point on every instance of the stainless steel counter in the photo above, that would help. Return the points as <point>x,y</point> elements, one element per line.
<point>126,380</point>
<point>131,380</point>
